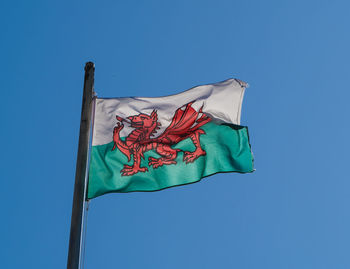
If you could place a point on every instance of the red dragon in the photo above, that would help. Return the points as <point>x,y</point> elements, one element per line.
<point>185,123</point>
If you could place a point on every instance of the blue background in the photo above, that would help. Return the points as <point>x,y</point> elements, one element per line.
<point>293,212</point>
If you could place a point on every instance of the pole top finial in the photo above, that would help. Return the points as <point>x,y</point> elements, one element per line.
<point>89,65</point>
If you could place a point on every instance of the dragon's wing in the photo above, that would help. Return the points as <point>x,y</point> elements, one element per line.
<point>184,122</point>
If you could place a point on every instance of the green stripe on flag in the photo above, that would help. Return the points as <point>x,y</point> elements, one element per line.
<point>227,150</point>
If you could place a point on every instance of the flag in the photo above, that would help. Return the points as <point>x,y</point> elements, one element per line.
<point>149,144</point>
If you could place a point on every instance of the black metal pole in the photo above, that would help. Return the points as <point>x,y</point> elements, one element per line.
<point>79,186</point>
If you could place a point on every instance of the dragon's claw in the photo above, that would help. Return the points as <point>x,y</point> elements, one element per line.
<point>159,162</point>
<point>130,170</point>
<point>190,157</point>
<point>127,166</point>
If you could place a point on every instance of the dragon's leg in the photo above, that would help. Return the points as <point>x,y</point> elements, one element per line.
<point>131,170</point>
<point>190,157</point>
<point>168,156</point>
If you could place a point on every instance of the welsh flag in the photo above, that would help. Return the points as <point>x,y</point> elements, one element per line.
<point>149,144</point>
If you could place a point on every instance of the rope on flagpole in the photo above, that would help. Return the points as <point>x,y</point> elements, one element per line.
<point>87,203</point>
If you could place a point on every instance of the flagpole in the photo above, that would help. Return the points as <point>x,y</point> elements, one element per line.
<point>80,173</point>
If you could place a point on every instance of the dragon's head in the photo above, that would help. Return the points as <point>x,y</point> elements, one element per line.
<point>144,121</point>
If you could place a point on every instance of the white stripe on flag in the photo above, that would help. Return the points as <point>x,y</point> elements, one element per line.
<point>221,101</point>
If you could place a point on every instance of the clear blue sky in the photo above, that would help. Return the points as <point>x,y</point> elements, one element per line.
<point>293,212</point>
